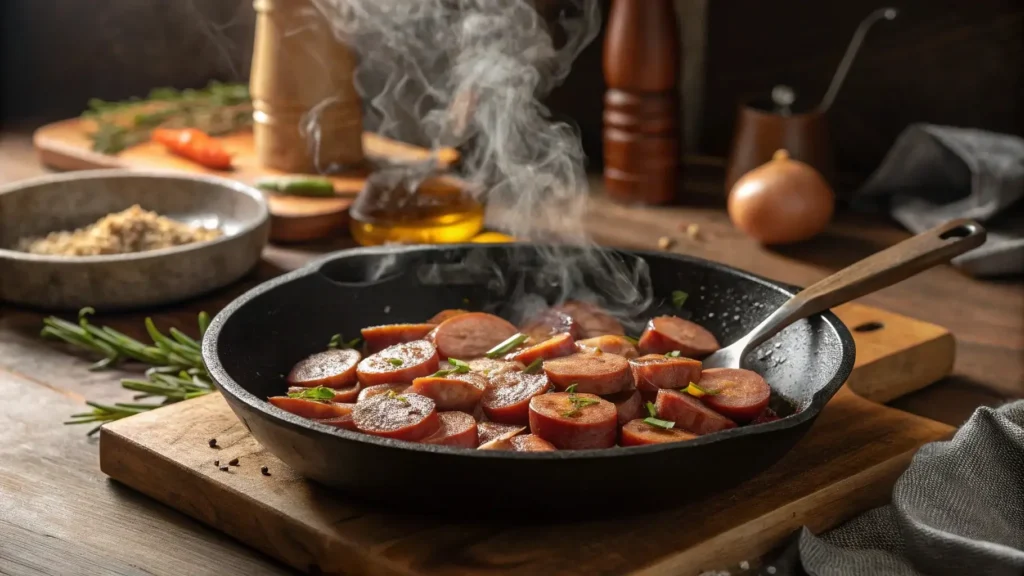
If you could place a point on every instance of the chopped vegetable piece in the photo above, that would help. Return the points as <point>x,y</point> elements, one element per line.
<point>571,388</point>
<point>336,342</point>
<point>673,354</point>
<point>697,391</point>
<point>507,346</point>
<point>632,340</point>
<point>195,145</point>
<point>666,424</point>
<point>534,366</point>
<point>651,410</point>
<point>298,186</point>
<point>461,366</point>
<point>320,394</point>
<point>395,361</point>
<point>679,298</point>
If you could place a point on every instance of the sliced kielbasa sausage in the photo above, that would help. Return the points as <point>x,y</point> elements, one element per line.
<point>343,422</point>
<point>471,335</point>
<point>554,347</point>
<point>312,409</point>
<point>401,416</point>
<point>507,399</point>
<point>378,338</point>
<point>453,391</point>
<point>445,314</point>
<point>491,431</point>
<point>550,323</point>
<point>401,363</point>
<point>371,391</point>
<point>492,367</point>
<point>735,393</point>
<point>628,404</point>
<point>592,373</point>
<point>521,443</point>
<point>668,334</point>
<point>640,433</point>
<point>456,429</point>
<point>573,421</point>
<point>592,319</point>
<point>656,371</point>
<point>330,368</point>
<point>689,413</point>
<point>609,344</point>
<point>340,394</point>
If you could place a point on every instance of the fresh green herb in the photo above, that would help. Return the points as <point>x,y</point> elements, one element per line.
<point>319,394</point>
<point>679,298</point>
<point>572,388</point>
<point>577,402</point>
<point>534,366</point>
<point>217,109</point>
<point>461,366</point>
<point>336,342</point>
<point>298,186</point>
<point>176,368</point>
<point>395,396</point>
<point>651,410</point>
<point>395,361</point>
<point>507,346</point>
<point>632,340</point>
<point>673,354</point>
<point>666,424</point>
<point>697,391</point>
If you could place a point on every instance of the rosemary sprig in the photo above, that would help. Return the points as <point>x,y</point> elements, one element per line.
<point>176,364</point>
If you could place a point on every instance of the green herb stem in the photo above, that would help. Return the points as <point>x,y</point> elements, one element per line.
<point>508,345</point>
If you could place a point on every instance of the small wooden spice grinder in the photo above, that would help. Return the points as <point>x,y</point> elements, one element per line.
<point>641,105</point>
<point>307,116</point>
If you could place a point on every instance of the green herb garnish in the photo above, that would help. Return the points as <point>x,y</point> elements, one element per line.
<point>336,342</point>
<point>395,396</point>
<point>319,394</point>
<point>298,186</point>
<point>632,340</point>
<point>651,410</point>
<point>679,298</point>
<point>507,346</point>
<point>666,424</point>
<point>460,366</point>
<point>577,402</point>
<point>697,391</point>
<point>673,354</point>
<point>534,366</point>
<point>395,361</point>
<point>572,388</point>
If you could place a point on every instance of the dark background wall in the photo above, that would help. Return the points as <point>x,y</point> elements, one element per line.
<point>942,61</point>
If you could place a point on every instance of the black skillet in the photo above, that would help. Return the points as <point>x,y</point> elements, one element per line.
<point>255,340</point>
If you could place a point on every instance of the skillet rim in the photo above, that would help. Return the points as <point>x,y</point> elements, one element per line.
<point>227,385</point>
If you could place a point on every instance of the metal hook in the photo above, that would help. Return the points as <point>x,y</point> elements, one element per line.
<point>851,53</point>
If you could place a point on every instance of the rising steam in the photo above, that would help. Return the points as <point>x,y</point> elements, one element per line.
<point>470,74</point>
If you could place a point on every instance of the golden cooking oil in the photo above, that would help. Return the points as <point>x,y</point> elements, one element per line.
<point>437,212</point>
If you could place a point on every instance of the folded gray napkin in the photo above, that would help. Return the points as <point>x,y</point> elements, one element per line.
<point>958,510</point>
<point>934,174</point>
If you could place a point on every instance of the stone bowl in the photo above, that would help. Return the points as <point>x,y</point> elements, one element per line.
<point>42,205</point>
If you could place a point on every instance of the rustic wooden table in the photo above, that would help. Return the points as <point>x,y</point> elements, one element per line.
<point>60,515</point>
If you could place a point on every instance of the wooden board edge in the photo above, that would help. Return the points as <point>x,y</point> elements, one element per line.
<point>251,525</point>
<point>883,381</point>
<point>843,500</point>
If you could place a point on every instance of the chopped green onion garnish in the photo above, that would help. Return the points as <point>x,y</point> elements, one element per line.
<point>335,341</point>
<point>697,391</point>
<point>507,346</point>
<point>673,354</point>
<point>534,366</point>
<point>651,410</point>
<point>458,363</point>
<point>679,298</point>
<point>571,389</point>
<point>320,393</point>
<point>632,340</point>
<point>395,361</point>
<point>441,373</point>
<point>666,424</point>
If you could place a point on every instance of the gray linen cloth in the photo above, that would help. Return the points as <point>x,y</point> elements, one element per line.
<point>934,174</point>
<point>958,510</point>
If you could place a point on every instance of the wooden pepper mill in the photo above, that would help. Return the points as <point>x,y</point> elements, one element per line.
<point>641,105</point>
<point>307,116</point>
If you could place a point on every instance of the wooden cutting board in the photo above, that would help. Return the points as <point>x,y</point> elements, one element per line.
<point>65,146</point>
<point>847,463</point>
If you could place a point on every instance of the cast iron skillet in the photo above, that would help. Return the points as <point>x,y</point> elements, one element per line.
<point>253,343</point>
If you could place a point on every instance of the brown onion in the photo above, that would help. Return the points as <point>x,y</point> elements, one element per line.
<point>781,201</point>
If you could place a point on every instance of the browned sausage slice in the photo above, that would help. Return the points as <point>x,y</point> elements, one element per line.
<point>445,314</point>
<point>628,405</point>
<point>340,394</point>
<point>492,367</point>
<point>401,416</point>
<point>640,433</point>
<point>592,373</point>
<point>453,391</point>
<point>456,429</point>
<point>689,413</point>
<point>371,391</point>
<point>521,443</point>
<point>344,422</point>
<point>550,323</point>
<point>378,338</point>
<point>507,400</point>
<point>399,363</point>
<point>667,334</point>
<point>574,421</point>
<point>608,344</point>
<point>735,393</point>
<point>491,431</point>
<point>331,368</point>
<point>554,347</point>
<point>471,335</point>
<point>592,319</point>
<point>656,371</point>
<point>312,409</point>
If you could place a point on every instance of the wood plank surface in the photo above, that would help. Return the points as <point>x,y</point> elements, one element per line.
<point>845,464</point>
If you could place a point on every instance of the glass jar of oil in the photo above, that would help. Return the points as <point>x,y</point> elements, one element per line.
<point>399,207</point>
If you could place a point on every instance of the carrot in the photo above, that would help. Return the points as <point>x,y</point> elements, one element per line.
<point>195,145</point>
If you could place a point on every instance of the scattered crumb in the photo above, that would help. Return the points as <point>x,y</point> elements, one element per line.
<point>216,463</point>
<point>744,565</point>
<point>665,242</point>
<point>133,230</point>
<point>224,468</point>
<point>387,309</point>
<point>213,442</point>
<point>693,231</point>
<point>234,462</point>
<point>265,471</point>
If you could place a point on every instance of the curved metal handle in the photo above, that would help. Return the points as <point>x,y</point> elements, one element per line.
<point>882,269</point>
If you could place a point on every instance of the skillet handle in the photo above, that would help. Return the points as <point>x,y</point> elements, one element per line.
<point>882,269</point>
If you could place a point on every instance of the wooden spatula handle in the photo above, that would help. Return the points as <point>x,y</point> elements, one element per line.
<point>882,269</point>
